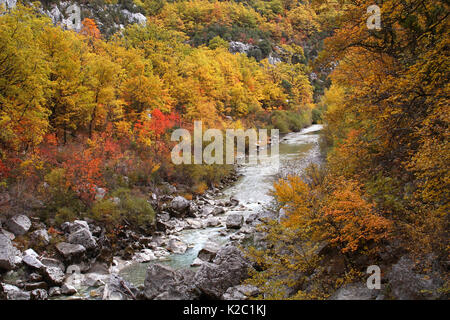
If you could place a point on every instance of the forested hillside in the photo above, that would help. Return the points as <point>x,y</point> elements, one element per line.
<point>86,117</point>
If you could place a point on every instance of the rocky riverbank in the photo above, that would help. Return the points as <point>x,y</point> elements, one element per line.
<point>75,260</point>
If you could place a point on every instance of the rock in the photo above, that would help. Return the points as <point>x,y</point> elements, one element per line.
<point>213,222</point>
<point>83,237</point>
<point>234,221</point>
<point>40,237</point>
<point>207,210</point>
<point>164,283</point>
<point>240,292</point>
<point>53,275</point>
<point>35,277</point>
<point>194,224</point>
<point>406,284</point>
<point>229,269</point>
<point>164,216</point>
<point>68,289</point>
<point>18,256</point>
<point>208,252</point>
<point>54,291</point>
<point>218,210</point>
<point>177,246</point>
<point>8,234</point>
<point>99,268</point>
<point>71,227</point>
<point>118,289</point>
<point>31,259</point>
<point>51,262</point>
<point>95,280</point>
<point>19,224</point>
<point>70,251</point>
<point>7,256</point>
<point>355,291</point>
<point>237,46</point>
<point>251,218</point>
<point>145,255</point>
<point>161,253</point>
<point>38,294</point>
<point>180,205</point>
<point>197,262</point>
<point>13,293</point>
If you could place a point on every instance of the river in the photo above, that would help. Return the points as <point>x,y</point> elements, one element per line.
<point>296,151</point>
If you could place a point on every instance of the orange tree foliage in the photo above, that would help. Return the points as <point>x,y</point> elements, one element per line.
<point>394,92</point>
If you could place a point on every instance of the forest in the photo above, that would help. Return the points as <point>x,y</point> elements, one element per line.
<point>86,119</point>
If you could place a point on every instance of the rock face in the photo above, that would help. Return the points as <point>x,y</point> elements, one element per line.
<point>118,289</point>
<point>180,205</point>
<point>6,253</point>
<point>19,224</point>
<point>407,285</point>
<point>69,251</point>
<point>228,269</point>
<point>234,221</point>
<point>164,283</point>
<point>355,291</point>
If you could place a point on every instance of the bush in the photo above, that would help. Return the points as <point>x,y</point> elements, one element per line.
<point>286,121</point>
<point>131,209</point>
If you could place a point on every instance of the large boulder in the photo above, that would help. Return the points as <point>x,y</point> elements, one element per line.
<point>208,252</point>
<point>69,251</point>
<point>6,253</point>
<point>234,221</point>
<point>229,269</point>
<point>19,224</point>
<point>180,205</point>
<point>83,237</point>
<point>406,284</point>
<point>165,283</point>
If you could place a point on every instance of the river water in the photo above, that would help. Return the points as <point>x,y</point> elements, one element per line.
<point>296,151</point>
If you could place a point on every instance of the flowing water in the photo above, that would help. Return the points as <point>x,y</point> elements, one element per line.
<point>296,151</point>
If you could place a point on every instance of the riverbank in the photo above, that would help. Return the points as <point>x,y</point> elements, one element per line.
<point>198,236</point>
